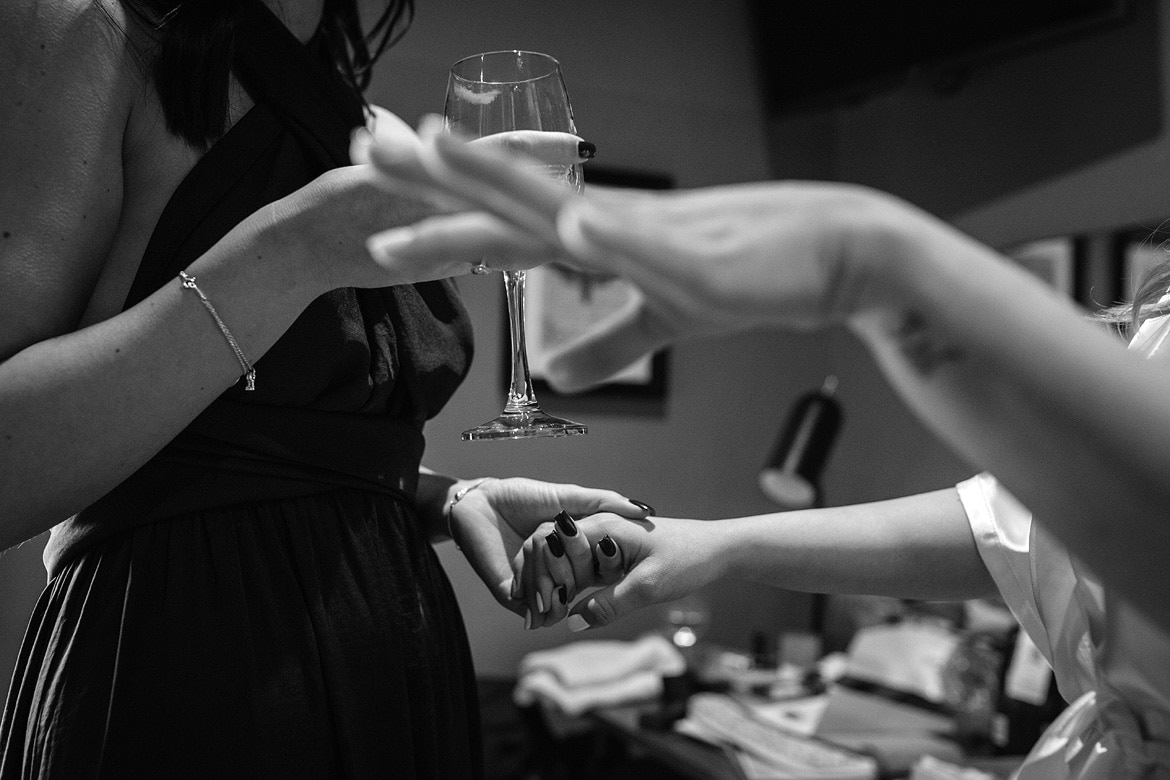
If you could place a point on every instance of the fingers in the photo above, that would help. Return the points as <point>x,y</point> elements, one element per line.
<point>388,127</point>
<point>604,606</point>
<point>549,148</point>
<point>607,559</point>
<point>582,501</point>
<point>556,562</point>
<point>459,240</point>
<point>495,183</point>
<point>571,566</point>
<point>400,168</point>
<point>561,560</point>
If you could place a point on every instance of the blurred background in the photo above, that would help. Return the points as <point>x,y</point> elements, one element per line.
<point>1061,137</point>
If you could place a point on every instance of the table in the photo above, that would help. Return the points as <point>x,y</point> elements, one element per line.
<point>691,759</point>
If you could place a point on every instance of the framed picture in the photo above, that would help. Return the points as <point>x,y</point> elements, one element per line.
<point>1053,260</point>
<point>562,303</point>
<point>1141,252</point>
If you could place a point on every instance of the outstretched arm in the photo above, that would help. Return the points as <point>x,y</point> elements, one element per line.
<point>1013,376</point>
<point>914,547</point>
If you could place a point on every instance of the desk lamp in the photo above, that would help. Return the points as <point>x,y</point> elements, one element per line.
<point>791,477</point>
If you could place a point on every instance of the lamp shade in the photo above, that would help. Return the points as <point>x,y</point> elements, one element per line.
<point>791,477</point>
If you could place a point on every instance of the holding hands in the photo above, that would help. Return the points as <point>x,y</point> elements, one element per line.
<point>520,537</point>
<point>1005,370</point>
<point>636,563</point>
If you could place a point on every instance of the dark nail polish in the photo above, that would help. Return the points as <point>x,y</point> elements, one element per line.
<point>586,150</point>
<point>555,544</point>
<point>642,505</point>
<point>566,524</point>
<point>607,546</point>
<point>562,594</point>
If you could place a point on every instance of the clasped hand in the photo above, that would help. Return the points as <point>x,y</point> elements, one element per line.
<point>504,525</point>
<point>633,565</point>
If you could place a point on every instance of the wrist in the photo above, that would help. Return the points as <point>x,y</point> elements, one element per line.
<point>877,255</point>
<point>730,543</point>
<point>285,248</point>
<point>455,494</point>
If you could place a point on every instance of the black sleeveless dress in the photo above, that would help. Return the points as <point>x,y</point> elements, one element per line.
<point>260,599</point>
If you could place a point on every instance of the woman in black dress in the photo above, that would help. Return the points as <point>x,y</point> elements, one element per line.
<point>244,585</point>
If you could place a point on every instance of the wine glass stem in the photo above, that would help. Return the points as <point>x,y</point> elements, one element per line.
<point>520,395</point>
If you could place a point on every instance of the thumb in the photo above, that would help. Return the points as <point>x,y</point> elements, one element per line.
<point>606,605</point>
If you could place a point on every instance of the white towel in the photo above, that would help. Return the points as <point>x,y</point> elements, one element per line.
<point>583,675</point>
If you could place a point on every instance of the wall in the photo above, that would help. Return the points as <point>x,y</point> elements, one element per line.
<point>658,86</point>
<point>1065,139</point>
<point>668,86</point>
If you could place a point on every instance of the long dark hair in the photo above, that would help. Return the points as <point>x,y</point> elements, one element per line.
<point>194,45</point>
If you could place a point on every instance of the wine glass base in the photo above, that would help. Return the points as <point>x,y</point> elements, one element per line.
<point>529,424</point>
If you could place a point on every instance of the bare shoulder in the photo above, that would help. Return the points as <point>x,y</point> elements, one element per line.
<point>68,77</point>
<point>62,56</point>
<point>39,32</point>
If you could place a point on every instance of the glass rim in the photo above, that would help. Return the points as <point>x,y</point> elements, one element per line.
<point>556,66</point>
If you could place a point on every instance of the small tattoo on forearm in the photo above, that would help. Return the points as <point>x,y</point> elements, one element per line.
<point>922,345</point>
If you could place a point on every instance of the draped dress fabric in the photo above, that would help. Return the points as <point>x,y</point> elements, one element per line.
<point>261,599</point>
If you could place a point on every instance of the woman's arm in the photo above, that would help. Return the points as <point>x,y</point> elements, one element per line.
<point>84,405</point>
<point>494,520</point>
<point>917,547</point>
<point>1013,376</point>
<point>1018,380</point>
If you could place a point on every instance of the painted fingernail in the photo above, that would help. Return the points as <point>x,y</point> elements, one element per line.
<point>527,619</point>
<point>562,594</point>
<point>514,591</point>
<point>555,544</point>
<point>607,546</point>
<point>643,505</point>
<point>576,623</point>
<point>566,524</point>
<point>586,150</point>
<point>540,603</point>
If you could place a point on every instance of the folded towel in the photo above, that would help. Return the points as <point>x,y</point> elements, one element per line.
<point>591,662</point>
<point>584,675</point>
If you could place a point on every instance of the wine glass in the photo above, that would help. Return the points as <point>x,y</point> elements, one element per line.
<point>493,93</point>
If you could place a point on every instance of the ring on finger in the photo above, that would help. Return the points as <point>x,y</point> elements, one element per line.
<point>479,268</point>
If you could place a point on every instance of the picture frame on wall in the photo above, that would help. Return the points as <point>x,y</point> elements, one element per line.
<point>1141,253</point>
<point>1054,260</point>
<point>562,303</point>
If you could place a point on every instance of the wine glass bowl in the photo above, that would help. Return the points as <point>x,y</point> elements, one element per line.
<point>497,92</point>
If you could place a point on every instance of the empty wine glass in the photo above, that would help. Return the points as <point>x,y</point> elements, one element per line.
<point>493,93</point>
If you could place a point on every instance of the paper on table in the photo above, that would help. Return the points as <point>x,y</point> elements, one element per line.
<point>907,656</point>
<point>723,720</point>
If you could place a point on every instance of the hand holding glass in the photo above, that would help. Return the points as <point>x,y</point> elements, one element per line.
<point>493,93</point>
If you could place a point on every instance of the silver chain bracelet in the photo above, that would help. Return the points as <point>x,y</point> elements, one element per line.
<point>459,494</point>
<point>188,283</point>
